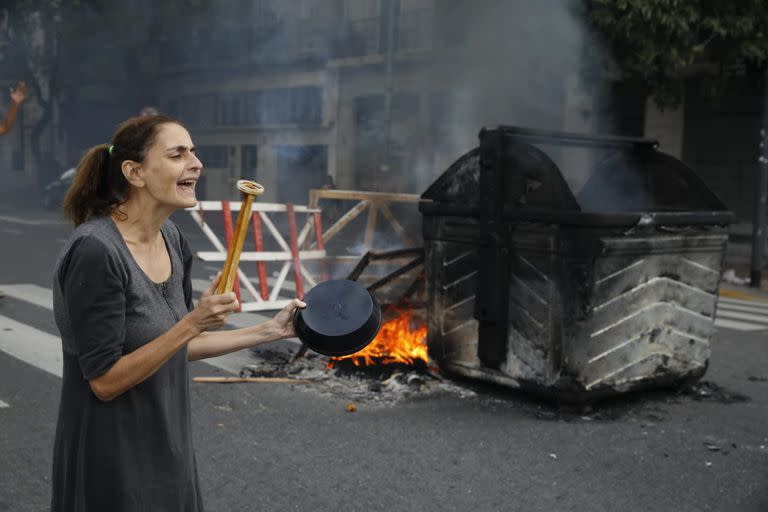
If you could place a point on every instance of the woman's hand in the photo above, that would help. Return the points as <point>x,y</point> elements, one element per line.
<point>282,323</point>
<point>18,94</point>
<point>212,310</point>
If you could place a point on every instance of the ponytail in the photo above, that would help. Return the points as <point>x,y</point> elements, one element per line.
<point>99,185</point>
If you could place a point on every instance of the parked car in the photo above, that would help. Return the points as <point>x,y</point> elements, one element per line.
<point>54,192</point>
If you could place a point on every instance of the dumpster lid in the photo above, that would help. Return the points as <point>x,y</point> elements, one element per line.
<point>566,172</point>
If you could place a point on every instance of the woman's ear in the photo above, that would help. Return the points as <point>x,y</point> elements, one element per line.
<point>132,172</point>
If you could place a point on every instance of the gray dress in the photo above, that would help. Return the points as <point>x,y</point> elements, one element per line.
<point>135,452</point>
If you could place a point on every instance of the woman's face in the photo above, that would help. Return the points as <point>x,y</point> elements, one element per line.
<point>171,167</point>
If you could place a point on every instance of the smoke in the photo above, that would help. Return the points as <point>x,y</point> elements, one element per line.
<point>510,62</point>
<point>250,78</point>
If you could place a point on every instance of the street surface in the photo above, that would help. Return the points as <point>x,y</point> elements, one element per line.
<point>281,446</point>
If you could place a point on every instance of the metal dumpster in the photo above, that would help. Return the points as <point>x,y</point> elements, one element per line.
<point>572,265</point>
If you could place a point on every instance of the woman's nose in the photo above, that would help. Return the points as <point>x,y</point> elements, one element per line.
<point>196,163</point>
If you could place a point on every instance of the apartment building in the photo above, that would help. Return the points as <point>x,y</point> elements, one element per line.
<point>294,92</point>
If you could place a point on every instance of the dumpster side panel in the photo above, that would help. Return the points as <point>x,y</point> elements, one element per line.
<point>534,311</point>
<point>451,274</point>
<point>650,312</point>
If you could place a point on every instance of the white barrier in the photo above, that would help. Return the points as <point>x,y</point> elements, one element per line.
<point>291,255</point>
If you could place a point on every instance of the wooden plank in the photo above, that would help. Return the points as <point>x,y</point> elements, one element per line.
<point>232,380</point>
<point>344,220</point>
<point>364,196</point>
<point>370,227</point>
<point>313,198</point>
<point>387,213</point>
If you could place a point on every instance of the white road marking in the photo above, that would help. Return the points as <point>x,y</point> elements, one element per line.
<point>32,293</point>
<point>756,303</point>
<point>31,222</point>
<point>748,309</point>
<point>738,326</point>
<point>3,405</point>
<point>11,231</point>
<point>31,345</point>
<point>742,315</point>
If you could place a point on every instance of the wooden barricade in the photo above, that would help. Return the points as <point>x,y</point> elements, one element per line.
<point>379,208</point>
<point>375,202</point>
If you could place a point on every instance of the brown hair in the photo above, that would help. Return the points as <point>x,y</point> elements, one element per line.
<point>99,185</point>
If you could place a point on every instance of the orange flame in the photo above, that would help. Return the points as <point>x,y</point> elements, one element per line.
<point>396,342</point>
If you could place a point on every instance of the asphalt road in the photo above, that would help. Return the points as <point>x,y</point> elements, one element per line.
<point>288,447</point>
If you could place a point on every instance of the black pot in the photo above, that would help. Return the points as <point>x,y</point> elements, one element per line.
<point>341,318</point>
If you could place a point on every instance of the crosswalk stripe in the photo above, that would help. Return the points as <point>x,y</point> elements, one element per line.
<point>747,309</point>
<point>739,315</point>
<point>32,222</point>
<point>753,303</point>
<point>31,345</point>
<point>32,293</point>
<point>3,405</point>
<point>44,350</point>
<point>742,314</point>
<point>739,326</point>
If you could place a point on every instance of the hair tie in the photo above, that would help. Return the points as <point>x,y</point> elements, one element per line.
<point>110,150</point>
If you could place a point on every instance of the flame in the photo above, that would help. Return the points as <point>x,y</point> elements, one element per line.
<point>397,342</point>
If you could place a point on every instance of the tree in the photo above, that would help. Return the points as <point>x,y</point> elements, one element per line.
<point>661,42</point>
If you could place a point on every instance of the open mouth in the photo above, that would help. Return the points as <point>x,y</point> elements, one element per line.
<point>187,186</point>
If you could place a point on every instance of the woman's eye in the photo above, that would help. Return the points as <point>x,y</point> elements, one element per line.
<point>176,156</point>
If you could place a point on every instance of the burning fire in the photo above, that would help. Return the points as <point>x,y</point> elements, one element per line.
<point>396,342</point>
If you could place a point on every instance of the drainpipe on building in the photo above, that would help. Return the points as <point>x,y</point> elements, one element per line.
<point>759,221</point>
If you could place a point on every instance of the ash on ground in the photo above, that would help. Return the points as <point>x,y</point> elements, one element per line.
<point>380,383</point>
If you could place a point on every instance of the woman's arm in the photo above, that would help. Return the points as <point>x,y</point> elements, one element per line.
<point>133,368</point>
<point>137,366</point>
<point>212,344</point>
<point>218,343</point>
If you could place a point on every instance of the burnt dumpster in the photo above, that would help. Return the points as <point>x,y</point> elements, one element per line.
<point>577,266</point>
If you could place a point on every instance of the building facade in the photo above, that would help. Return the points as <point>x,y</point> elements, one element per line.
<point>382,95</point>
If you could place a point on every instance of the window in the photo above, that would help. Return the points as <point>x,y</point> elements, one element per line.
<point>198,110</point>
<point>231,110</point>
<point>294,105</point>
<point>249,160</point>
<point>363,29</point>
<point>307,105</point>
<point>216,157</point>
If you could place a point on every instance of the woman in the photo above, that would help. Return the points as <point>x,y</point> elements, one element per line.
<point>123,304</point>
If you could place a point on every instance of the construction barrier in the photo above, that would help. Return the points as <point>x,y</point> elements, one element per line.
<point>375,202</point>
<point>291,255</point>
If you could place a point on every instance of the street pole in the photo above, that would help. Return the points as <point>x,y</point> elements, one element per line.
<point>759,221</point>
<point>390,6</point>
